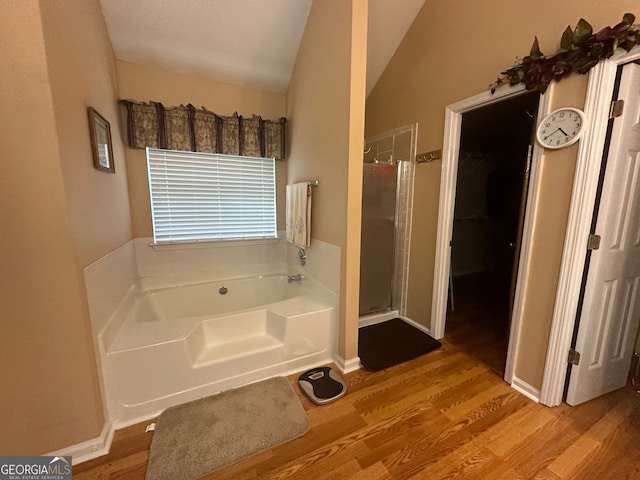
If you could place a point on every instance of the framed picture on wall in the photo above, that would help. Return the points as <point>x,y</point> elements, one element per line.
<point>101,142</point>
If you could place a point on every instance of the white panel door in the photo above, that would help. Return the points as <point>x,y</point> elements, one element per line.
<point>611,307</point>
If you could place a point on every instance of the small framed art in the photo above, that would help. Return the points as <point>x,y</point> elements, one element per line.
<point>101,142</point>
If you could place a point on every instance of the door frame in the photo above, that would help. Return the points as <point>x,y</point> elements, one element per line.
<point>448,184</point>
<point>590,151</point>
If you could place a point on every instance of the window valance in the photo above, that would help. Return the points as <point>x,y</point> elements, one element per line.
<point>198,130</point>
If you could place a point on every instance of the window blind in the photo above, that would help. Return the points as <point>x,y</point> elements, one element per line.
<point>198,197</point>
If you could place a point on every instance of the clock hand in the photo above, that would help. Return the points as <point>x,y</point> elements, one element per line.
<point>552,133</point>
<point>563,132</point>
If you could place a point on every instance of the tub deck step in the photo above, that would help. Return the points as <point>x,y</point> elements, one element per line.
<point>240,348</point>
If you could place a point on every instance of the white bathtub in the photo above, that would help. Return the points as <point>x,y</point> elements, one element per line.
<point>179,343</point>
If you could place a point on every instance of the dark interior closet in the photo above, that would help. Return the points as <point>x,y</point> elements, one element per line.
<point>492,182</point>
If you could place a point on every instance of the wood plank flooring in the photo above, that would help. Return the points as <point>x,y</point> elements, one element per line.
<point>444,415</point>
<point>479,324</point>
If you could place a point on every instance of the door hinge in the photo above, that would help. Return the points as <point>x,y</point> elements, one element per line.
<point>617,106</point>
<point>594,242</point>
<point>574,357</point>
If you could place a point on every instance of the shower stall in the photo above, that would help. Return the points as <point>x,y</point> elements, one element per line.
<point>387,195</point>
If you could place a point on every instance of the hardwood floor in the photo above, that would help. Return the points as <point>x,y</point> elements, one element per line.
<point>479,323</point>
<point>444,415</point>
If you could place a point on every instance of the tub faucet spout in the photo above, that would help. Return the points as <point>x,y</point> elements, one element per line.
<point>294,278</point>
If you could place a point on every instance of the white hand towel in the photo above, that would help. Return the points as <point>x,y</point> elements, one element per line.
<point>299,214</point>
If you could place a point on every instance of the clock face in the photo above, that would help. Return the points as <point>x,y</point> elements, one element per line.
<point>561,128</point>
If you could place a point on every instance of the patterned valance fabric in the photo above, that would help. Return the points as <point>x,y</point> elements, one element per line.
<point>199,130</point>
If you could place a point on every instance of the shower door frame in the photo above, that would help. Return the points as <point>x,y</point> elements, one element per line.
<point>402,218</point>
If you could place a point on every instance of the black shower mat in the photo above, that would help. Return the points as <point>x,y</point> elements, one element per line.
<point>392,342</point>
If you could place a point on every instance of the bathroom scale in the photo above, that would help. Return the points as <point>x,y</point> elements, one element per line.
<point>322,385</point>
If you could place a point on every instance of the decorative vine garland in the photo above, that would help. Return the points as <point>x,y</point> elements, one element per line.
<point>580,50</point>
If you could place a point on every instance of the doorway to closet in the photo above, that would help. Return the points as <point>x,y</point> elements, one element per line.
<point>490,203</point>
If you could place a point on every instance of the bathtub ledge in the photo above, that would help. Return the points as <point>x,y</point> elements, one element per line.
<point>233,350</point>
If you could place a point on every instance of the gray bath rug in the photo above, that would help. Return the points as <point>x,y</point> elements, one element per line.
<point>198,437</point>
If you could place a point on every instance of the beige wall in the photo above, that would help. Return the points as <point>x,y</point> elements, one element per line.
<point>50,396</point>
<point>141,83</point>
<point>326,114</point>
<point>557,169</point>
<point>455,50</point>
<point>82,74</point>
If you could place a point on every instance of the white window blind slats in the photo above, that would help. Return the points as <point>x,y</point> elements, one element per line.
<point>195,190</point>
<point>206,197</point>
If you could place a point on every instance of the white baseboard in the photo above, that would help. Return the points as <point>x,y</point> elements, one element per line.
<point>347,366</point>
<point>85,451</point>
<point>525,389</point>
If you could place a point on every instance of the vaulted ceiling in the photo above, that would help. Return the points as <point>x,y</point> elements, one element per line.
<point>247,42</point>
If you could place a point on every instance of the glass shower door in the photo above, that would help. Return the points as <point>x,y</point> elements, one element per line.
<point>378,237</point>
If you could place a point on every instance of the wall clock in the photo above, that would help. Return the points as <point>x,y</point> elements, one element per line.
<point>561,128</point>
